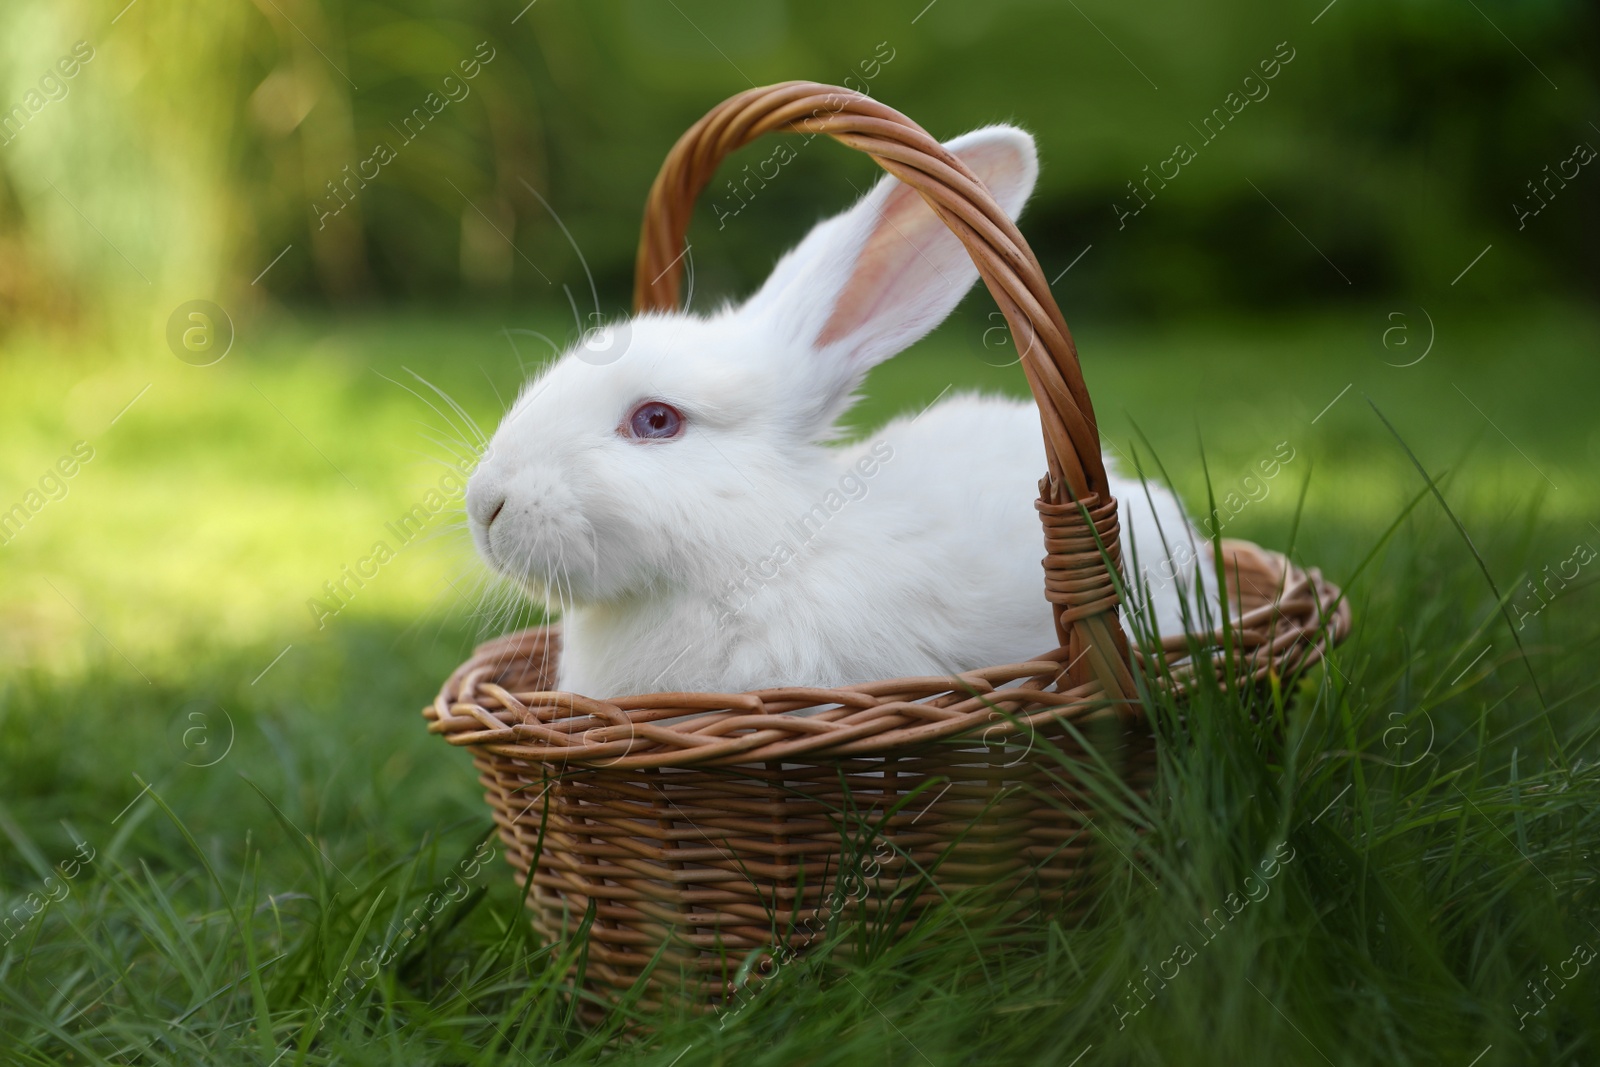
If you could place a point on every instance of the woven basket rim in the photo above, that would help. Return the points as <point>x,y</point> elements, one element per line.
<point>1289,619</point>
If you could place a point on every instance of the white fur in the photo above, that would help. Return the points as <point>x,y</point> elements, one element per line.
<point>928,565</point>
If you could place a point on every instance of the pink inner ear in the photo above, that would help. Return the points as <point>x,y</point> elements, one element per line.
<point>896,264</point>
<point>908,253</point>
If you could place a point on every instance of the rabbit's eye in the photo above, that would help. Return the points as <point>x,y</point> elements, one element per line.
<point>654,421</point>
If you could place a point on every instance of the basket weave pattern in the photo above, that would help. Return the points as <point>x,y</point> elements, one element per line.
<point>699,827</point>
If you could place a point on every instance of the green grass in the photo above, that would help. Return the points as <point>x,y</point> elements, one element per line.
<point>1430,800</point>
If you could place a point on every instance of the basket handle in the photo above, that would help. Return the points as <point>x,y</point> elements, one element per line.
<point>1075,504</point>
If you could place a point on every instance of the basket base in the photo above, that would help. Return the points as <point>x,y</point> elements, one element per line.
<point>684,874</point>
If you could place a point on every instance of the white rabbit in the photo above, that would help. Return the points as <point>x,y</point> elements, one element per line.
<point>684,507</point>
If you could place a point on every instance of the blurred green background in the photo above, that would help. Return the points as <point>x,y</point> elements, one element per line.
<point>1369,205</point>
<point>325,171</point>
<point>196,144</point>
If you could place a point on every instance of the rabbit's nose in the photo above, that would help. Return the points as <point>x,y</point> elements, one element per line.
<point>485,502</point>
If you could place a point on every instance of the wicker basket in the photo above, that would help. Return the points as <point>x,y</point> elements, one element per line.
<point>685,833</point>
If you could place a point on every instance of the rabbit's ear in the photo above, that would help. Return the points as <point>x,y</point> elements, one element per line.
<point>867,284</point>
